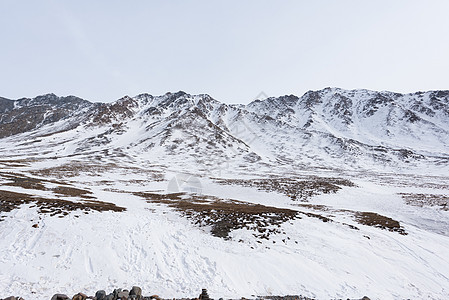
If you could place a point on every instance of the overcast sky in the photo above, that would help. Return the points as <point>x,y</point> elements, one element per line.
<point>232,50</point>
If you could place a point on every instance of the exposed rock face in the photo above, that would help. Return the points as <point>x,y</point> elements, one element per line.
<point>28,114</point>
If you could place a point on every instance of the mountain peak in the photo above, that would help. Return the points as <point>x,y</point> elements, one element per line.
<point>338,118</point>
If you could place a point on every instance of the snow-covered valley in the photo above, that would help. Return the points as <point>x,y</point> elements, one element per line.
<point>335,194</point>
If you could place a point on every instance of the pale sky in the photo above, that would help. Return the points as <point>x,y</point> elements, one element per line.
<point>232,50</point>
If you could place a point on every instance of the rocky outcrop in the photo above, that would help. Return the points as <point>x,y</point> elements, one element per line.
<point>26,114</point>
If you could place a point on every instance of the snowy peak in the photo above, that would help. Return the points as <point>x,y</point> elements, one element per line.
<point>27,114</point>
<point>6,105</point>
<point>51,100</point>
<point>370,116</point>
<point>327,127</point>
<point>117,111</point>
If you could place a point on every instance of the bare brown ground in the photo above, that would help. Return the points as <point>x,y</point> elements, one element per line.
<point>54,207</point>
<point>297,189</point>
<point>363,218</point>
<point>376,220</point>
<point>225,215</point>
<point>435,200</point>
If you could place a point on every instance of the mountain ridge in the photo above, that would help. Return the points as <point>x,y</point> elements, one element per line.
<point>329,127</point>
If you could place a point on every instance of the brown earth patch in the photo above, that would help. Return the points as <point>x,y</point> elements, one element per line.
<point>31,183</point>
<point>225,215</point>
<point>73,192</point>
<point>54,207</point>
<point>376,220</point>
<point>74,169</point>
<point>26,182</point>
<point>77,168</point>
<point>364,218</point>
<point>435,200</point>
<point>296,189</point>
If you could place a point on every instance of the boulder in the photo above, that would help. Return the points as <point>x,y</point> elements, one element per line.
<point>204,295</point>
<point>116,291</point>
<point>111,297</point>
<point>136,291</point>
<point>79,296</point>
<point>60,297</point>
<point>123,295</point>
<point>100,295</point>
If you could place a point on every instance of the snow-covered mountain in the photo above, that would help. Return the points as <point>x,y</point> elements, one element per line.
<point>327,128</point>
<point>334,194</point>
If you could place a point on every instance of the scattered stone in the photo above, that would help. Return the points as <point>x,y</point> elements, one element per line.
<point>288,297</point>
<point>136,293</point>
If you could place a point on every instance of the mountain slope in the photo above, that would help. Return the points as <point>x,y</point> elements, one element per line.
<point>335,194</point>
<point>331,127</point>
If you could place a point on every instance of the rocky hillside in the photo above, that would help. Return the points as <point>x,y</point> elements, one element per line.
<point>25,114</point>
<point>328,128</point>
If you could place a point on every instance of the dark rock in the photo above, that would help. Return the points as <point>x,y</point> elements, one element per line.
<point>11,298</point>
<point>28,114</point>
<point>100,295</point>
<point>204,295</point>
<point>136,291</point>
<point>79,296</point>
<point>116,291</point>
<point>60,297</point>
<point>110,297</point>
<point>123,295</point>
